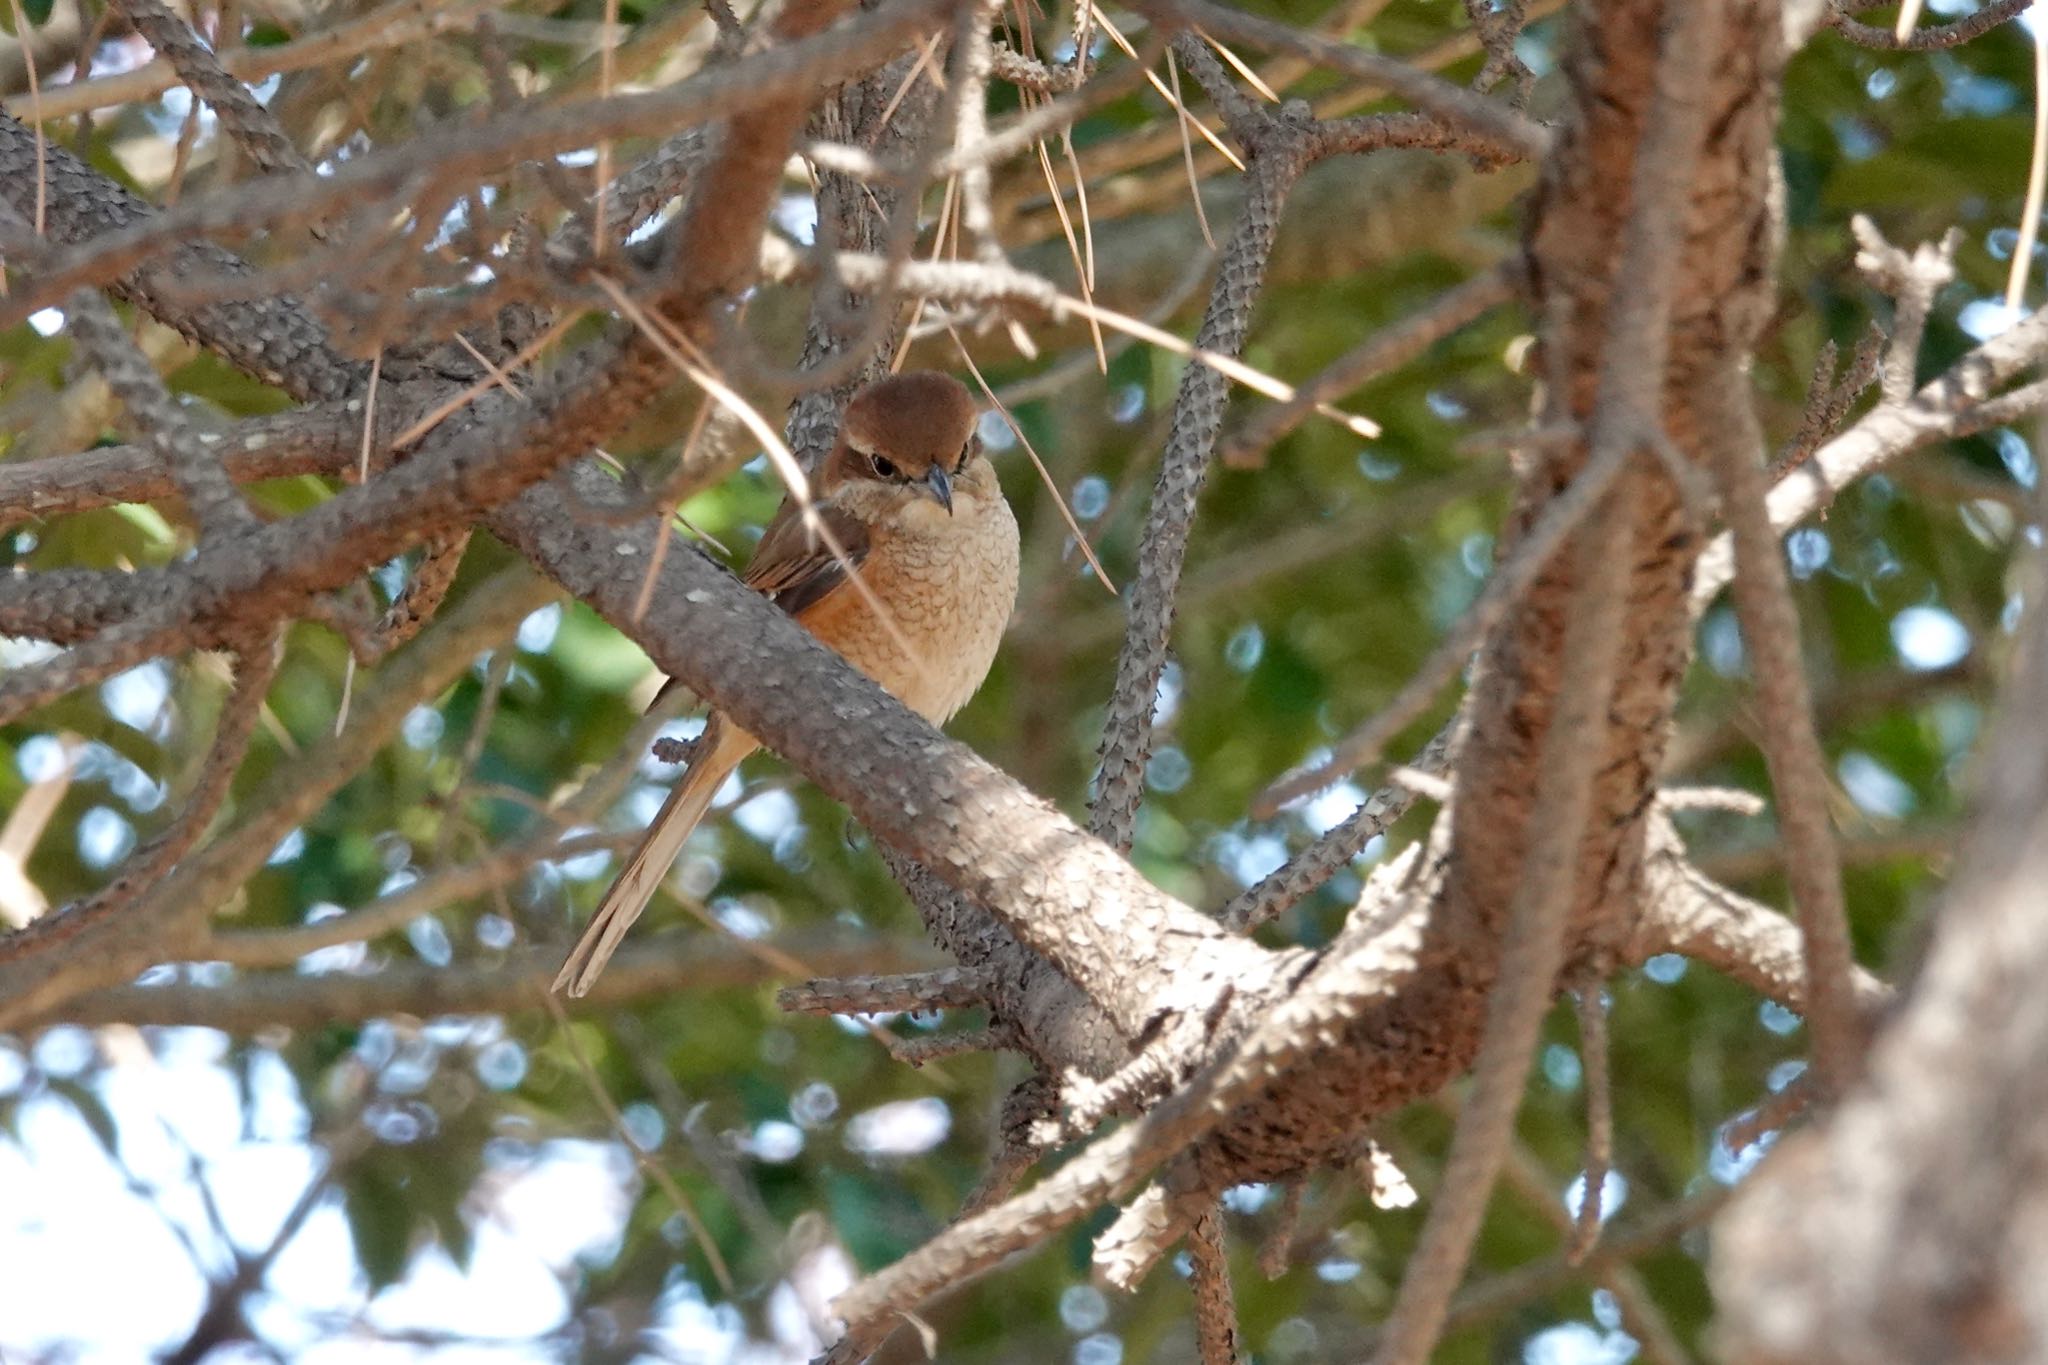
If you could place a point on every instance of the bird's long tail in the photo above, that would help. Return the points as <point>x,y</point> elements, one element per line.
<point>719,751</point>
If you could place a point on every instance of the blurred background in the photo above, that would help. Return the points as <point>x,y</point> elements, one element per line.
<point>375,1150</point>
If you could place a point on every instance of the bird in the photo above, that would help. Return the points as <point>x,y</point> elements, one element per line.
<point>913,584</point>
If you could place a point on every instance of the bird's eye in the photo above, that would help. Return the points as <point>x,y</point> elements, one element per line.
<point>969,451</point>
<point>882,467</point>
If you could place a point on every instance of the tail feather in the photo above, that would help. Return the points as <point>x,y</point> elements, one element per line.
<point>720,751</point>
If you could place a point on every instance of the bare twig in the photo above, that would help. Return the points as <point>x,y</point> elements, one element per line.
<point>1924,39</point>
<point>661,966</point>
<point>150,864</point>
<point>1913,280</point>
<point>1560,519</point>
<point>642,1157</point>
<point>442,888</point>
<point>1593,1059</point>
<point>1198,415</point>
<point>254,128</point>
<point>1300,875</point>
<point>971,65</point>
<point>1384,351</point>
<point>196,469</point>
<point>422,595</point>
<point>1277,1251</point>
<point>175,911</point>
<point>1490,1299</point>
<point>399,24</point>
<point>1215,1313</point>
<point>1957,402</point>
<point>946,988</point>
<point>1689,913</point>
<point>1770,624</point>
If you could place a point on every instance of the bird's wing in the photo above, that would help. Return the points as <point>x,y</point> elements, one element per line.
<point>796,568</point>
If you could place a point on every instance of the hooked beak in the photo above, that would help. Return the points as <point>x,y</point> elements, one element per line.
<point>939,486</point>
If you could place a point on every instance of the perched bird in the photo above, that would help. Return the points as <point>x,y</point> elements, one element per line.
<point>913,508</point>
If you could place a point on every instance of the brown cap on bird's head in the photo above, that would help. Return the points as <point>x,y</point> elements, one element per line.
<point>914,429</point>
<point>915,420</point>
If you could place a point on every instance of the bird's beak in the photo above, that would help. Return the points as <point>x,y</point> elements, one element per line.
<point>940,486</point>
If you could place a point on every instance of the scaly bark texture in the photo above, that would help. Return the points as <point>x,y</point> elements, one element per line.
<point>1721,292</point>
<point>1426,1032</point>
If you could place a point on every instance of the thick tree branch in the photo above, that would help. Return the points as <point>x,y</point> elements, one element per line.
<point>1135,951</point>
<point>272,339</point>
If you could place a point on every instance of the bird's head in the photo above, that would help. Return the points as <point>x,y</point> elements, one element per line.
<point>907,446</point>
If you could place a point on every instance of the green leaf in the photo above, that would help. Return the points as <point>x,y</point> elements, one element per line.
<point>380,1221</point>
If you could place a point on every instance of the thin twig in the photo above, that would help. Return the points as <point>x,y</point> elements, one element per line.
<point>1559,520</point>
<point>642,1157</point>
<point>1300,875</point>
<point>215,502</point>
<point>1384,351</point>
<point>257,667</point>
<point>1215,1313</point>
<point>1799,775</point>
<point>1906,38</point>
<point>1593,1066</point>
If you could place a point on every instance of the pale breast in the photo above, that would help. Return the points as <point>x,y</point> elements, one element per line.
<point>949,585</point>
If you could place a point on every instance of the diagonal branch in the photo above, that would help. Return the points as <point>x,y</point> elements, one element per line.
<point>1428,93</point>
<point>1385,350</point>
<point>1126,745</point>
<point>256,668</point>
<point>1770,625</point>
<point>208,491</point>
<point>254,128</point>
<point>274,340</point>
<point>1046,881</point>
<point>173,913</point>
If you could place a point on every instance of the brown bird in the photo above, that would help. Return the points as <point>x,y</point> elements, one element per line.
<point>914,510</point>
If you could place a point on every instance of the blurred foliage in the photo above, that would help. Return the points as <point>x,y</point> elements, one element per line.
<point>804,1129</point>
